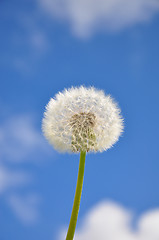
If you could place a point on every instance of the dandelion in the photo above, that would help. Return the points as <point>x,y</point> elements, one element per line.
<point>81,120</point>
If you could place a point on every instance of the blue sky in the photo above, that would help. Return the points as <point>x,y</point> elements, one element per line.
<point>47,46</point>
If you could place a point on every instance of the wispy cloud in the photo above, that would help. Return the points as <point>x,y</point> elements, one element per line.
<point>35,45</point>
<point>25,208</point>
<point>89,16</point>
<point>12,179</point>
<point>20,139</point>
<point>26,37</point>
<point>111,221</point>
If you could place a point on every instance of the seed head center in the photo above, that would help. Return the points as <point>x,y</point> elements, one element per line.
<point>83,137</point>
<point>82,121</point>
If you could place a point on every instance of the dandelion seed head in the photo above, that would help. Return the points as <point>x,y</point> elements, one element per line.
<point>82,119</point>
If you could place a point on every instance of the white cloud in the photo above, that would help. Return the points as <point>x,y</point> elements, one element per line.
<point>19,139</point>
<point>89,16</point>
<point>110,221</point>
<point>25,208</point>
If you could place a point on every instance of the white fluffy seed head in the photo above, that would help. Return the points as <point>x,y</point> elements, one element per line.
<point>82,119</point>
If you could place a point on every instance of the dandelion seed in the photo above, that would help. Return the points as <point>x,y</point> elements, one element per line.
<point>81,120</point>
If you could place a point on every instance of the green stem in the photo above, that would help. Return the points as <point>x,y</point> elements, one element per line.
<point>76,204</point>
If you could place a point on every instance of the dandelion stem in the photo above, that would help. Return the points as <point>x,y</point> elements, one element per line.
<point>77,198</point>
